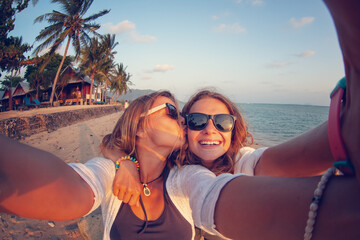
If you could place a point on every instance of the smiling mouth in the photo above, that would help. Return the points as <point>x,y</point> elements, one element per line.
<point>207,143</point>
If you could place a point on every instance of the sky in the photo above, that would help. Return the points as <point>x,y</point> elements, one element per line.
<point>253,51</point>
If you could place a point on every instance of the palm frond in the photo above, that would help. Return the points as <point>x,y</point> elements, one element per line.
<point>97,15</point>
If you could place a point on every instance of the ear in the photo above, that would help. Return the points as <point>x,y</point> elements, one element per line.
<point>141,132</point>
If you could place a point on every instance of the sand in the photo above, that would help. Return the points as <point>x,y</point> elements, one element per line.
<point>75,143</point>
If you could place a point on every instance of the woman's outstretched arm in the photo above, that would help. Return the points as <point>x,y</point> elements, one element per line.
<point>306,155</point>
<point>277,208</point>
<point>37,184</point>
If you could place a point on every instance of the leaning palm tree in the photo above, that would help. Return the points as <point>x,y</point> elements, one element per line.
<point>94,60</point>
<point>70,24</point>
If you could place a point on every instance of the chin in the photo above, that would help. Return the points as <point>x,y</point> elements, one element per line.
<point>208,159</point>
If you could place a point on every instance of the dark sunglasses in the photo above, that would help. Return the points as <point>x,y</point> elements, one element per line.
<point>199,121</point>
<point>171,110</point>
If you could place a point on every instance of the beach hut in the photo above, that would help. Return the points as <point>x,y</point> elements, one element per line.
<point>76,87</point>
<point>5,98</point>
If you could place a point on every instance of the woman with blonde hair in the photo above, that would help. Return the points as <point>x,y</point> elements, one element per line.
<point>149,131</point>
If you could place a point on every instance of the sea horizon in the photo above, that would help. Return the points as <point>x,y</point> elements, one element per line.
<point>272,124</point>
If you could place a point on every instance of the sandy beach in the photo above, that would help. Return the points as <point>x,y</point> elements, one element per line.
<point>76,143</point>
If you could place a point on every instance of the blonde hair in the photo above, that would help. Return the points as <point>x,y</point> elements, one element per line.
<point>240,136</point>
<point>123,137</point>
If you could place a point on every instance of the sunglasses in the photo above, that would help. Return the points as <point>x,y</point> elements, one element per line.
<point>199,121</point>
<point>171,110</point>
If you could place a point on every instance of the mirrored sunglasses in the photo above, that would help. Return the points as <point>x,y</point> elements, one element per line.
<point>199,121</point>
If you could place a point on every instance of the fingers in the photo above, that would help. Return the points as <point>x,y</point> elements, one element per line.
<point>126,195</point>
<point>132,198</point>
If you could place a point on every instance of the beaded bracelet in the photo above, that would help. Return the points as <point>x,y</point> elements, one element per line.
<point>316,201</point>
<point>127,157</point>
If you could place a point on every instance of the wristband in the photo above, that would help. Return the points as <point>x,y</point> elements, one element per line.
<point>337,145</point>
<point>127,157</point>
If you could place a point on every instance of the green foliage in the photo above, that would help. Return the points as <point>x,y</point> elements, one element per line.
<point>37,77</point>
<point>120,80</point>
<point>12,54</point>
<point>9,80</point>
<point>8,9</point>
<point>96,58</point>
<point>69,24</point>
<point>11,48</point>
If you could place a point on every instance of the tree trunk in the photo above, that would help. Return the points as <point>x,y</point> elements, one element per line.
<point>113,97</point>
<point>58,72</point>
<point>105,92</point>
<point>91,86</point>
<point>10,92</point>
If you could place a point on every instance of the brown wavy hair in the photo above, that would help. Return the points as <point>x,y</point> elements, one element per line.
<point>123,137</point>
<point>240,136</point>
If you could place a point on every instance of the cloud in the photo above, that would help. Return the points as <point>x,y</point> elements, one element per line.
<point>141,38</point>
<point>234,28</point>
<point>162,68</point>
<point>308,53</point>
<point>301,22</point>
<point>277,64</point>
<point>257,2</point>
<point>221,15</point>
<point>129,29</point>
<point>121,27</point>
<point>252,2</point>
<point>146,77</point>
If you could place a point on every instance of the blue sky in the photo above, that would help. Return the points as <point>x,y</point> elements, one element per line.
<point>253,51</point>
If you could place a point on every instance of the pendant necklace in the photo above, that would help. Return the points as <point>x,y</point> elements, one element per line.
<point>146,190</point>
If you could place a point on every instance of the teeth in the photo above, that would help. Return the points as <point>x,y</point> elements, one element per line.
<point>209,142</point>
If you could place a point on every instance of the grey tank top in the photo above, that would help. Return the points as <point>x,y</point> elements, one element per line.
<point>170,225</point>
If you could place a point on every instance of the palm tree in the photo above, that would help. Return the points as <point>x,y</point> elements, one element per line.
<point>94,60</point>
<point>14,60</point>
<point>108,43</point>
<point>120,80</point>
<point>71,25</point>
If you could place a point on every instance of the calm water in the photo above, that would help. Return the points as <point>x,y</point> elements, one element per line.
<point>272,124</point>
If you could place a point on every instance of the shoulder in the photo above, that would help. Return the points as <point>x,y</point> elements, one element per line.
<point>247,158</point>
<point>188,171</point>
<point>97,172</point>
<point>101,166</point>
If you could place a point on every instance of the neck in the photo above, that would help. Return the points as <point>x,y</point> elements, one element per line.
<point>152,163</point>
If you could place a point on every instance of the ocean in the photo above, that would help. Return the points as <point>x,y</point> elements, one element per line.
<point>272,124</point>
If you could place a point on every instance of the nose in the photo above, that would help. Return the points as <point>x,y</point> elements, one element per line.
<point>210,127</point>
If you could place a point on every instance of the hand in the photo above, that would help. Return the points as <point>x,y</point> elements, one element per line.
<point>112,154</point>
<point>126,185</point>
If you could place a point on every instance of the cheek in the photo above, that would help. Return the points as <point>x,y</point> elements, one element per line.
<point>191,138</point>
<point>227,139</point>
